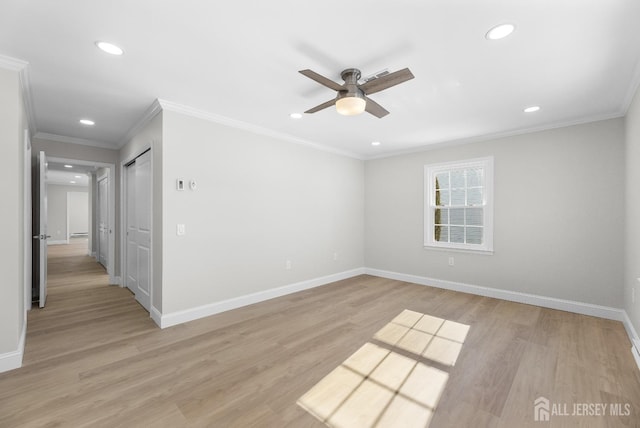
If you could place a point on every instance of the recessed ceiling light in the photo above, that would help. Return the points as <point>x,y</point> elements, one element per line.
<point>532,109</point>
<point>500,31</point>
<point>109,48</point>
<point>72,182</point>
<point>295,115</point>
<point>87,122</point>
<point>68,166</point>
<point>375,143</point>
<point>77,176</point>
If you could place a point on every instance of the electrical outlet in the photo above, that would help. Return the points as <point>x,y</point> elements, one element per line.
<point>181,229</point>
<point>451,261</point>
<point>287,265</point>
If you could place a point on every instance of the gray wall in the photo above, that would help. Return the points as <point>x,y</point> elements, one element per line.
<point>632,271</point>
<point>57,211</point>
<point>259,202</point>
<point>558,217</point>
<point>12,215</point>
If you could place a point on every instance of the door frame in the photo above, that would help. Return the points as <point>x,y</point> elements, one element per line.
<point>98,214</point>
<point>154,312</point>
<point>113,279</point>
<point>28,239</point>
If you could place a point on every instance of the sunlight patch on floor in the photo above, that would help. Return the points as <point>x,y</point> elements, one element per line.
<point>377,387</point>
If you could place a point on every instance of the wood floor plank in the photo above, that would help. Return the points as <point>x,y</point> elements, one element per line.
<point>93,357</point>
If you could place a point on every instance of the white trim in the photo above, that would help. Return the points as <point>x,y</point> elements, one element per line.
<point>512,296</point>
<point>13,360</point>
<point>115,280</point>
<point>234,123</point>
<point>57,242</point>
<point>27,98</point>
<point>633,336</point>
<point>430,172</point>
<point>633,89</point>
<point>156,316</point>
<point>497,135</point>
<point>13,64</point>
<point>179,317</point>
<point>74,140</point>
<point>147,116</point>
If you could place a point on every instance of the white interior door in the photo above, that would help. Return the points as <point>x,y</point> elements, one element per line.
<point>143,229</point>
<point>103,221</point>
<point>131,281</point>
<point>138,218</point>
<point>40,223</point>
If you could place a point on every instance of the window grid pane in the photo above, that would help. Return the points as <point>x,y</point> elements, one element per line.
<point>461,191</point>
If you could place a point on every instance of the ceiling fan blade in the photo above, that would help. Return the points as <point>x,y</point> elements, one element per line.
<point>386,81</point>
<point>321,106</point>
<point>375,109</point>
<point>322,80</point>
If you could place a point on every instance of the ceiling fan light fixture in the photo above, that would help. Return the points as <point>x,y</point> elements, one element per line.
<point>500,31</point>
<point>109,48</point>
<point>351,105</point>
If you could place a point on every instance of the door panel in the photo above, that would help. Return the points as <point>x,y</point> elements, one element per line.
<point>39,274</point>
<point>132,247</point>
<point>103,221</point>
<point>143,226</point>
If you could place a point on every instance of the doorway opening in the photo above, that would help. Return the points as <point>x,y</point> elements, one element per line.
<point>67,214</point>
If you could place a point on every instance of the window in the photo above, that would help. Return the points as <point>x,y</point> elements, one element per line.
<point>459,205</point>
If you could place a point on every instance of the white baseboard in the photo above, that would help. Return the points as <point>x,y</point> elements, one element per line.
<point>156,316</point>
<point>512,296</point>
<point>13,360</point>
<point>57,242</point>
<point>530,299</point>
<point>179,317</point>
<point>115,280</point>
<point>633,335</point>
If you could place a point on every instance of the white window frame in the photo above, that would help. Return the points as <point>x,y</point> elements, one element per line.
<point>430,172</point>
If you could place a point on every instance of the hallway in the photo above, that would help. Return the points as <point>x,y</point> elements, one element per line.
<point>79,296</point>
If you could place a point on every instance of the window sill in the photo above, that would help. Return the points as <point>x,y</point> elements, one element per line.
<point>458,250</point>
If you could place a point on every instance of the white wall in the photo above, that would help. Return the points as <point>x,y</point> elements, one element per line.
<point>58,203</point>
<point>632,157</point>
<point>558,215</point>
<point>12,312</point>
<point>259,202</point>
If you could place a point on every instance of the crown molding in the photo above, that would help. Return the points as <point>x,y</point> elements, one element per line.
<point>147,116</point>
<point>498,135</point>
<point>634,85</point>
<point>73,140</point>
<point>234,123</point>
<point>22,67</point>
<point>12,64</point>
<point>27,98</point>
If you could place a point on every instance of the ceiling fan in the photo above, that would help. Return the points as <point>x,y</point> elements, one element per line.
<point>352,96</point>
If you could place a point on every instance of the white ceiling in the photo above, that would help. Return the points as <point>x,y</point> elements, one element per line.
<point>577,59</point>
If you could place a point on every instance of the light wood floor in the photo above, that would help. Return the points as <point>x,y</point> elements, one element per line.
<point>93,357</point>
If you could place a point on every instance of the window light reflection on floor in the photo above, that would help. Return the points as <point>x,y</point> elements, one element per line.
<point>377,387</point>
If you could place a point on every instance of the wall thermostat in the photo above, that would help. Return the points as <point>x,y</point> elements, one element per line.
<point>193,184</point>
